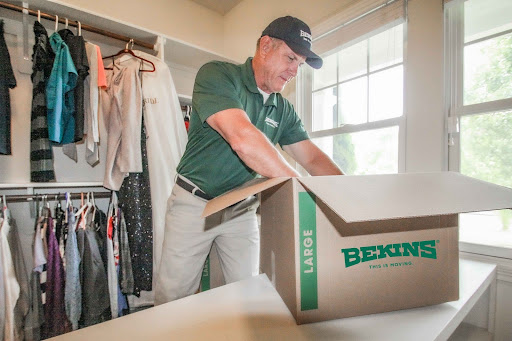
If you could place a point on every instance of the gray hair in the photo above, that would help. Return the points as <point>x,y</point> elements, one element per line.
<point>276,42</point>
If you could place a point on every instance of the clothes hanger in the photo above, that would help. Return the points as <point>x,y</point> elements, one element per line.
<point>44,209</point>
<point>69,205</point>
<point>130,51</point>
<point>84,206</point>
<point>83,211</point>
<point>38,16</point>
<point>56,23</point>
<point>5,210</point>
<point>93,203</point>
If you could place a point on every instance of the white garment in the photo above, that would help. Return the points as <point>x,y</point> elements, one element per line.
<point>264,94</point>
<point>39,254</point>
<point>11,286</point>
<point>91,106</point>
<point>167,138</point>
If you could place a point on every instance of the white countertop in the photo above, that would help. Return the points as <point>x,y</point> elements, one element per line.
<point>253,310</point>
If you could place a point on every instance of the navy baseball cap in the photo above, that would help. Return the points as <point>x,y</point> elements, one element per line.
<point>297,35</point>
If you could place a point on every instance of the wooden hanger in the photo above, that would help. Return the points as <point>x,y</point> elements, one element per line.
<point>129,51</point>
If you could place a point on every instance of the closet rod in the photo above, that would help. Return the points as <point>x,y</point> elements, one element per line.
<point>52,196</point>
<point>75,23</point>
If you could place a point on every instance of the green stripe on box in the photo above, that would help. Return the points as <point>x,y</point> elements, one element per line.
<point>308,255</point>
<point>205,276</point>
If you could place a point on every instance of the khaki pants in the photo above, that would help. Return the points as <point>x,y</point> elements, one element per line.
<point>189,238</point>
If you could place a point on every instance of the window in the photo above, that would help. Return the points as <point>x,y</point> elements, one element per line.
<point>356,102</point>
<point>480,46</point>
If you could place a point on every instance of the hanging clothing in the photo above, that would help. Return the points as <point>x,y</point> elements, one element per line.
<point>42,269</point>
<point>121,105</point>
<point>41,155</point>
<point>56,322</point>
<point>59,217</point>
<point>166,132</point>
<point>122,304</point>
<point>102,77</point>
<point>7,81</point>
<point>125,258</point>
<point>93,276</point>
<point>100,229</point>
<point>22,305</point>
<point>91,105</point>
<point>135,198</point>
<point>167,138</point>
<point>73,289</point>
<point>11,286</point>
<point>76,45</point>
<point>35,317</point>
<point>59,93</point>
<point>39,249</point>
<point>112,272</point>
<point>2,296</point>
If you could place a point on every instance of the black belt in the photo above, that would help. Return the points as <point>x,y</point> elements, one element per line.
<point>192,189</point>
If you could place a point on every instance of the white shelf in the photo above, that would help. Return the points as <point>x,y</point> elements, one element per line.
<point>252,309</point>
<point>175,50</point>
<point>185,99</point>
<point>51,185</point>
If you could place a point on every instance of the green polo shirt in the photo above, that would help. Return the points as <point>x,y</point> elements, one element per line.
<point>209,161</point>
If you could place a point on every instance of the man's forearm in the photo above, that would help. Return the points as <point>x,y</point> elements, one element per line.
<point>260,155</point>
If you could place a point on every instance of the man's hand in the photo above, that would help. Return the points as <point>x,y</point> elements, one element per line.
<point>309,156</point>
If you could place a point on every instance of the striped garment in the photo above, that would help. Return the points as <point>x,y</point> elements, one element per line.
<point>41,156</point>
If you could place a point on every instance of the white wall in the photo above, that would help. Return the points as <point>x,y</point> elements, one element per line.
<point>423,86</point>
<point>180,19</point>
<point>244,23</point>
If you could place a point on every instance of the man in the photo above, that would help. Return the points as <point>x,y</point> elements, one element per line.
<point>237,118</point>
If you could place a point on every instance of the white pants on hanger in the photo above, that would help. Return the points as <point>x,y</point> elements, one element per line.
<point>189,238</point>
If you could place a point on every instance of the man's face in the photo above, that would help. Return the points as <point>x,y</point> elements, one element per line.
<point>281,65</point>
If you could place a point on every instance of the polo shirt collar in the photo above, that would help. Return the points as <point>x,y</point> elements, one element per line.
<point>250,82</point>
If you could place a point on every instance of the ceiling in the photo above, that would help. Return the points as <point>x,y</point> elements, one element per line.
<point>219,6</point>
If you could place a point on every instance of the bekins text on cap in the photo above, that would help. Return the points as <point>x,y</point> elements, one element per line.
<point>297,36</point>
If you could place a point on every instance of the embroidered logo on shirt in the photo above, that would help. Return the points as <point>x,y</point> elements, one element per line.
<point>271,122</point>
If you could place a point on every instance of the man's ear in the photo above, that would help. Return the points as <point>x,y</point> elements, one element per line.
<point>265,45</point>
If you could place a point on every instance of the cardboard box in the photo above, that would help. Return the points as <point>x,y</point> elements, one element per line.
<point>340,246</point>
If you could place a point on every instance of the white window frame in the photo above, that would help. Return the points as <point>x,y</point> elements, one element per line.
<point>305,100</point>
<point>455,109</point>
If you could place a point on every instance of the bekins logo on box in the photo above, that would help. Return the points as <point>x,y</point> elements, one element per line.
<point>423,249</point>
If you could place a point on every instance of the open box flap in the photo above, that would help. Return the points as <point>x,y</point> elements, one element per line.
<point>391,196</point>
<point>240,193</point>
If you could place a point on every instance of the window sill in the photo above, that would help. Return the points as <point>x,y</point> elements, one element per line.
<point>487,250</point>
